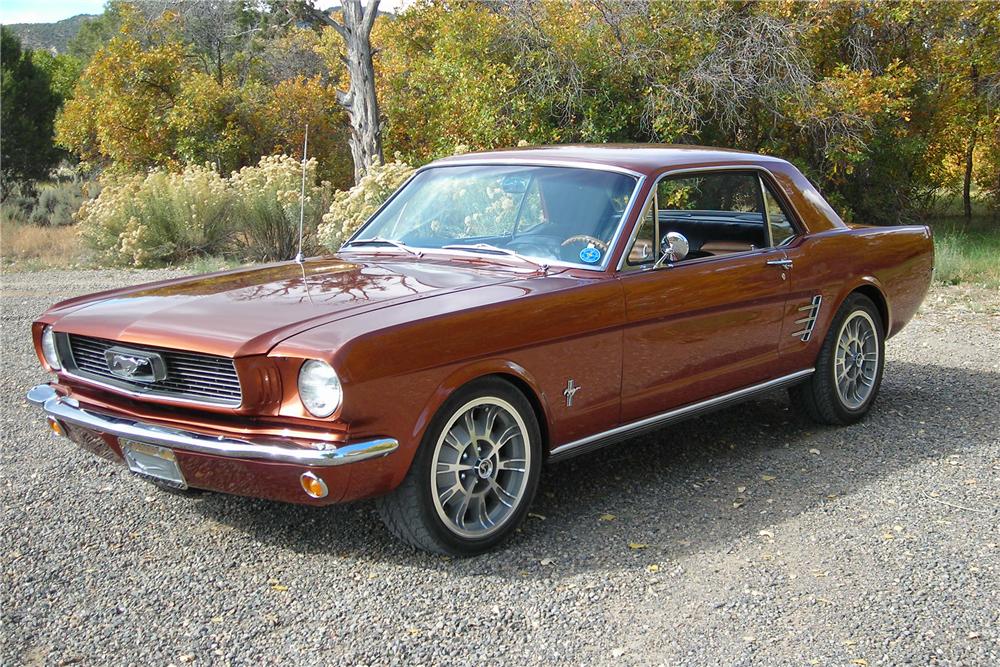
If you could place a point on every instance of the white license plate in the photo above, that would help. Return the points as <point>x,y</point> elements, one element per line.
<point>153,462</point>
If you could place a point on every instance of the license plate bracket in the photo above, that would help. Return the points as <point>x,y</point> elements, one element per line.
<point>152,462</point>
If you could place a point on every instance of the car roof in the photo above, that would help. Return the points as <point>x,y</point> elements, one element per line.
<point>642,158</point>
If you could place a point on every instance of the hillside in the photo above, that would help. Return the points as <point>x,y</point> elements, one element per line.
<point>50,36</point>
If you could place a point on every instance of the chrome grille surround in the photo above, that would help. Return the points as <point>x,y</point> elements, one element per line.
<point>190,376</point>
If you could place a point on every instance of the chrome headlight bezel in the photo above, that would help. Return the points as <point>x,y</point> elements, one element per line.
<point>49,350</point>
<point>319,387</point>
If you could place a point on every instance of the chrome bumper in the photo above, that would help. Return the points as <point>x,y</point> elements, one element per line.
<point>66,409</point>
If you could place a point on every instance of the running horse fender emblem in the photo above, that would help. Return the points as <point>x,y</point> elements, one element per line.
<point>570,391</point>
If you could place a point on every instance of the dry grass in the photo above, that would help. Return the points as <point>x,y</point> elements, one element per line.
<point>26,247</point>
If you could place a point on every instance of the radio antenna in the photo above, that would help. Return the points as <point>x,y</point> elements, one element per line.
<point>299,257</point>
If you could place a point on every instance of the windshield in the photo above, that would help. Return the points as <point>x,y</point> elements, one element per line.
<point>560,214</point>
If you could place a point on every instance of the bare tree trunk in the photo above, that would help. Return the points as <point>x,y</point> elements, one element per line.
<point>967,183</point>
<point>359,100</point>
<point>970,149</point>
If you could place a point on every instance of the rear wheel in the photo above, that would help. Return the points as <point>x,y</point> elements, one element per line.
<point>849,368</point>
<point>474,476</point>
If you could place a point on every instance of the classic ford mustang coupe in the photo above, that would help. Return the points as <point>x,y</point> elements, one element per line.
<point>500,312</point>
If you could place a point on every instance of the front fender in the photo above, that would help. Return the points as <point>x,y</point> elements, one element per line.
<point>466,374</point>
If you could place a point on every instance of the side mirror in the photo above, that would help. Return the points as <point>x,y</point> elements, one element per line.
<point>675,248</point>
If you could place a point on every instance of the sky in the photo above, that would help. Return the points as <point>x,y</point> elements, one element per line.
<point>46,11</point>
<point>49,11</point>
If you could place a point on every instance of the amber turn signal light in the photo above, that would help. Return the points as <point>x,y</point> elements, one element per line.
<point>56,427</point>
<point>313,485</point>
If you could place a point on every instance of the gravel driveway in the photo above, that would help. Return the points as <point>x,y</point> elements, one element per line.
<point>745,537</point>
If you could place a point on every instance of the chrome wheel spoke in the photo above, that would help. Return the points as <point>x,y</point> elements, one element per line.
<point>517,465</point>
<point>450,492</point>
<point>489,420</point>
<point>501,493</point>
<point>484,516</point>
<point>452,441</point>
<point>443,467</point>
<point>463,509</point>
<point>507,436</point>
<point>470,425</point>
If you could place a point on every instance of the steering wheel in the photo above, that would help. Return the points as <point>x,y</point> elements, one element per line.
<point>586,238</point>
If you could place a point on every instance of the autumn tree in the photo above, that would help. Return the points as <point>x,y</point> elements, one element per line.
<point>153,97</point>
<point>844,89</point>
<point>360,99</point>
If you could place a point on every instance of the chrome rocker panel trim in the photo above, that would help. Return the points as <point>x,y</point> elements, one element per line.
<point>67,409</point>
<point>635,428</point>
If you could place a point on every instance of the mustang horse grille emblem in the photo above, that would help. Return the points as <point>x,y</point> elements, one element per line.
<point>134,365</point>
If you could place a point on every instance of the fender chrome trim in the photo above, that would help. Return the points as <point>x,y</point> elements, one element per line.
<point>66,409</point>
<point>617,434</point>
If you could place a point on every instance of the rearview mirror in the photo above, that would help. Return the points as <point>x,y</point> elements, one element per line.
<point>514,185</point>
<point>675,248</point>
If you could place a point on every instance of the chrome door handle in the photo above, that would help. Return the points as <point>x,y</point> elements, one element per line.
<point>783,263</point>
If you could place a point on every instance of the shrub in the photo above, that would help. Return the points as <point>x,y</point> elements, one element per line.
<point>158,218</point>
<point>351,208</point>
<point>165,218</point>
<point>267,207</point>
<point>17,199</point>
<point>57,203</point>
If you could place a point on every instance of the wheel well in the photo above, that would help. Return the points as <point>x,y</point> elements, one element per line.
<point>878,299</point>
<point>536,405</point>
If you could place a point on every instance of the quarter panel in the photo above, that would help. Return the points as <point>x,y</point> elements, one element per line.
<point>898,261</point>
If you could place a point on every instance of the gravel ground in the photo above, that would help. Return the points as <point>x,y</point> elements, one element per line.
<point>744,537</point>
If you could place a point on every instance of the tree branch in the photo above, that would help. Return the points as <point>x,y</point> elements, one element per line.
<point>324,18</point>
<point>368,20</point>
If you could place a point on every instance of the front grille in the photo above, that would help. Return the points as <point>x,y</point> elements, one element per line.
<point>190,375</point>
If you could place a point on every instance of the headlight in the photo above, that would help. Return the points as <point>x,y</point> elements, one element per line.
<point>319,388</point>
<point>49,349</point>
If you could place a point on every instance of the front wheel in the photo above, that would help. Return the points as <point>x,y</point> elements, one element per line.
<point>474,476</point>
<point>849,368</point>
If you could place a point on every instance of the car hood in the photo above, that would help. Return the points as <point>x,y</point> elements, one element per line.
<point>249,311</point>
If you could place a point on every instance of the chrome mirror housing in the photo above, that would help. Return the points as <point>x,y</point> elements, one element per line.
<point>675,248</point>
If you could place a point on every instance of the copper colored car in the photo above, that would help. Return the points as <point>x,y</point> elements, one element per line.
<point>500,312</point>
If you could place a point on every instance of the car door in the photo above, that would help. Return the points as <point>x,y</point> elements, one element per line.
<point>709,323</point>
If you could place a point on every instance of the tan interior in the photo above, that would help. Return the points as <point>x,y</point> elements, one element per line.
<point>722,247</point>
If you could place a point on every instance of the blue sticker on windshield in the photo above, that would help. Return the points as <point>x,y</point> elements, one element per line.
<point>590,255</point>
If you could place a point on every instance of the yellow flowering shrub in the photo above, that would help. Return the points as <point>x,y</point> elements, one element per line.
<point>162,217</point>
<point>267,201</point>
<point>351,208</point>
<point>157,218</point>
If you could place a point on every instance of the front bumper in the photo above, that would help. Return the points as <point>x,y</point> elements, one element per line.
<point>256,467</point>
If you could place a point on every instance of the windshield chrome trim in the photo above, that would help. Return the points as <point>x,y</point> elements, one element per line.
<point>796,223</point>
<point>612,242</point>
<point>442,253</point>
<point>454,161</point>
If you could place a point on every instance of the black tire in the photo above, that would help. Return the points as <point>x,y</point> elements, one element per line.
<point>819,397</point>
<point>410,512</point>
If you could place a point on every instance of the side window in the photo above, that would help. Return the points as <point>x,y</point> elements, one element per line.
<point>781,227</point>
<point>643,250</point>
<point>718,212</point>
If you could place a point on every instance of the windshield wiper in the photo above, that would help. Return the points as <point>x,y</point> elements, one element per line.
<point>497,250</point>
<point>376,240</point>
